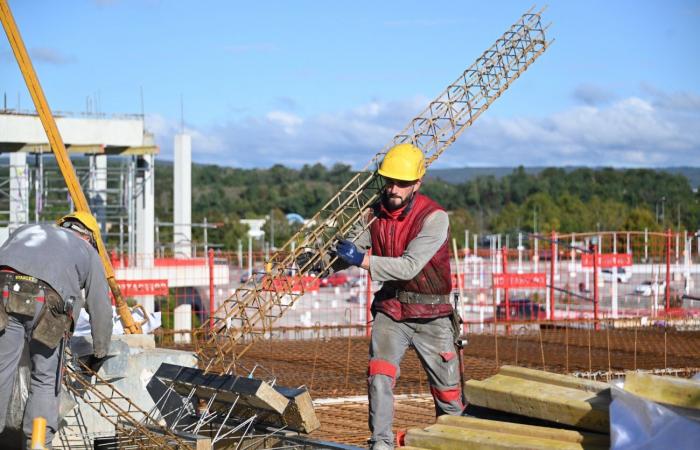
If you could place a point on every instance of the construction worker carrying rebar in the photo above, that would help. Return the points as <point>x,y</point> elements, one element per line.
<point>409,255</point>
<point>43,268</point>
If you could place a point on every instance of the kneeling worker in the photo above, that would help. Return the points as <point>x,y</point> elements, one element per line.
<point>43,269</point>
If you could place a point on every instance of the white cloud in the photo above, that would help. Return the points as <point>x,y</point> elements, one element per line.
<point>633,131</point>
<point>287,121</point>
<point>593,94</point>
<point>51,56</point>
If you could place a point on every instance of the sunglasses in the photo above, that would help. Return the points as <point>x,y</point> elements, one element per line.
<point>400,183</point>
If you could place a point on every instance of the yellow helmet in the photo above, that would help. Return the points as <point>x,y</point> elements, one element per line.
<point>403,162</point>
<point>84,218</point>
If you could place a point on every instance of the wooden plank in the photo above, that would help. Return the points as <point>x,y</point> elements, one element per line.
<point>253,392</point>
<point>588,440</point>
<point>300,414</point>
<point>555,379</point>
<point>664,389</point>
<point>444,437</point>
<point>529,398</point>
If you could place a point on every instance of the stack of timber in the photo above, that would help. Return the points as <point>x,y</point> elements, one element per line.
<point>561,399</point>
<point>534,410</point>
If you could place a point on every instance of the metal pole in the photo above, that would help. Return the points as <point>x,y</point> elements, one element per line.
<point>520,252</point>
<point>206,236</point>
<point>506,297</point>
<point>668,270</point>
<point>553,261</point>
<point>250,256</point>
<point>272,229</point>
<point>595,286</point>
<point>211,288</point>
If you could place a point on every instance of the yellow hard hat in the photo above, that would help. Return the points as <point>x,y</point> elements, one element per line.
<point>403,162</point>
<point>86,219</point>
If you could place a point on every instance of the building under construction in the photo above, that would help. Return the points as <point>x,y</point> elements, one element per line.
<point>278,359</point>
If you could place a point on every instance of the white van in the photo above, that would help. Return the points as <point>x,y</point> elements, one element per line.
<point>623,276</point>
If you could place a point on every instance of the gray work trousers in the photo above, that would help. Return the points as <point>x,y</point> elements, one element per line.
<point>433,341</point>
<point>42,401</point>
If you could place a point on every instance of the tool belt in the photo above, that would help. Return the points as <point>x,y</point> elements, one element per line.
<point>422,299</point>
<point>19,294</point>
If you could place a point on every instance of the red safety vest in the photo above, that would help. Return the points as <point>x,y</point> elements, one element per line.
<point>390,237</point>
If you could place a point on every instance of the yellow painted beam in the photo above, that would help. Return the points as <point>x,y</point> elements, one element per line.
<point>588,440</point>
<point>554,378</point>
<point>444,437</point>
<point>664,389</point>
<point>587,410</point>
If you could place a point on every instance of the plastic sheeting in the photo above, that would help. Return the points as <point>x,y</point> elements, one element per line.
<point>638,423</point>
<point>82,327</point>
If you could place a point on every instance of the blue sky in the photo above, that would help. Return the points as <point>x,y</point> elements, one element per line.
<point>296,82</point>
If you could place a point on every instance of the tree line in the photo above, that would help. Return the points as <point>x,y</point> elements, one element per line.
<point>554,199</point>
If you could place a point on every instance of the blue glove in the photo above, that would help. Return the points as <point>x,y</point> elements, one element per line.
<point>348,252</point>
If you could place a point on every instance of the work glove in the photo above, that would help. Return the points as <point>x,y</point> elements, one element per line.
<point>304,258</point>
<point>93,362</point>
<point>348,252</point>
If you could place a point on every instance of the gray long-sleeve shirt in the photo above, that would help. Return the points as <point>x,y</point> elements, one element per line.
<point>68,264</point>
<point>417,254</point>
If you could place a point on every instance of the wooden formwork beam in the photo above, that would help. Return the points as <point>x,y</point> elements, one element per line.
<point>664,389</point>
<point>543,398</point>
<point>290,408</point>
<point>453,432</point>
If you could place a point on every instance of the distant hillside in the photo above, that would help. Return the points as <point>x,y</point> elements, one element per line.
<point>464,174</point>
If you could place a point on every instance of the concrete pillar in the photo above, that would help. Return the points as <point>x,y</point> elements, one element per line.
<point>182,197</point>
<point>145,218</point>
<point>19,190</point>
<point>98,188</point>
<point>182,320</point>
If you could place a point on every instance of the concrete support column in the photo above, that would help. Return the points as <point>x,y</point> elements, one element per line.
<point>19,190</point>
<point>98,188</point>
<point>145,218</point>
<point>182,197</point>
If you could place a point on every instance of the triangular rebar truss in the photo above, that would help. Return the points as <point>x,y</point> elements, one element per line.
<point>250,312</point>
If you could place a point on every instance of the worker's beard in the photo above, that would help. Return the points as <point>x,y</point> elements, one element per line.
<point>388,200</point>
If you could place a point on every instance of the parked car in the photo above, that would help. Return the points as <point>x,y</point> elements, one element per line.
<point>335,280</point>
<point>521,308</point>
<point>623,276</point>
<point>649,288</point>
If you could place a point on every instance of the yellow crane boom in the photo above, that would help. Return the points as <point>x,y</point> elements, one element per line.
<point>64,162</point>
